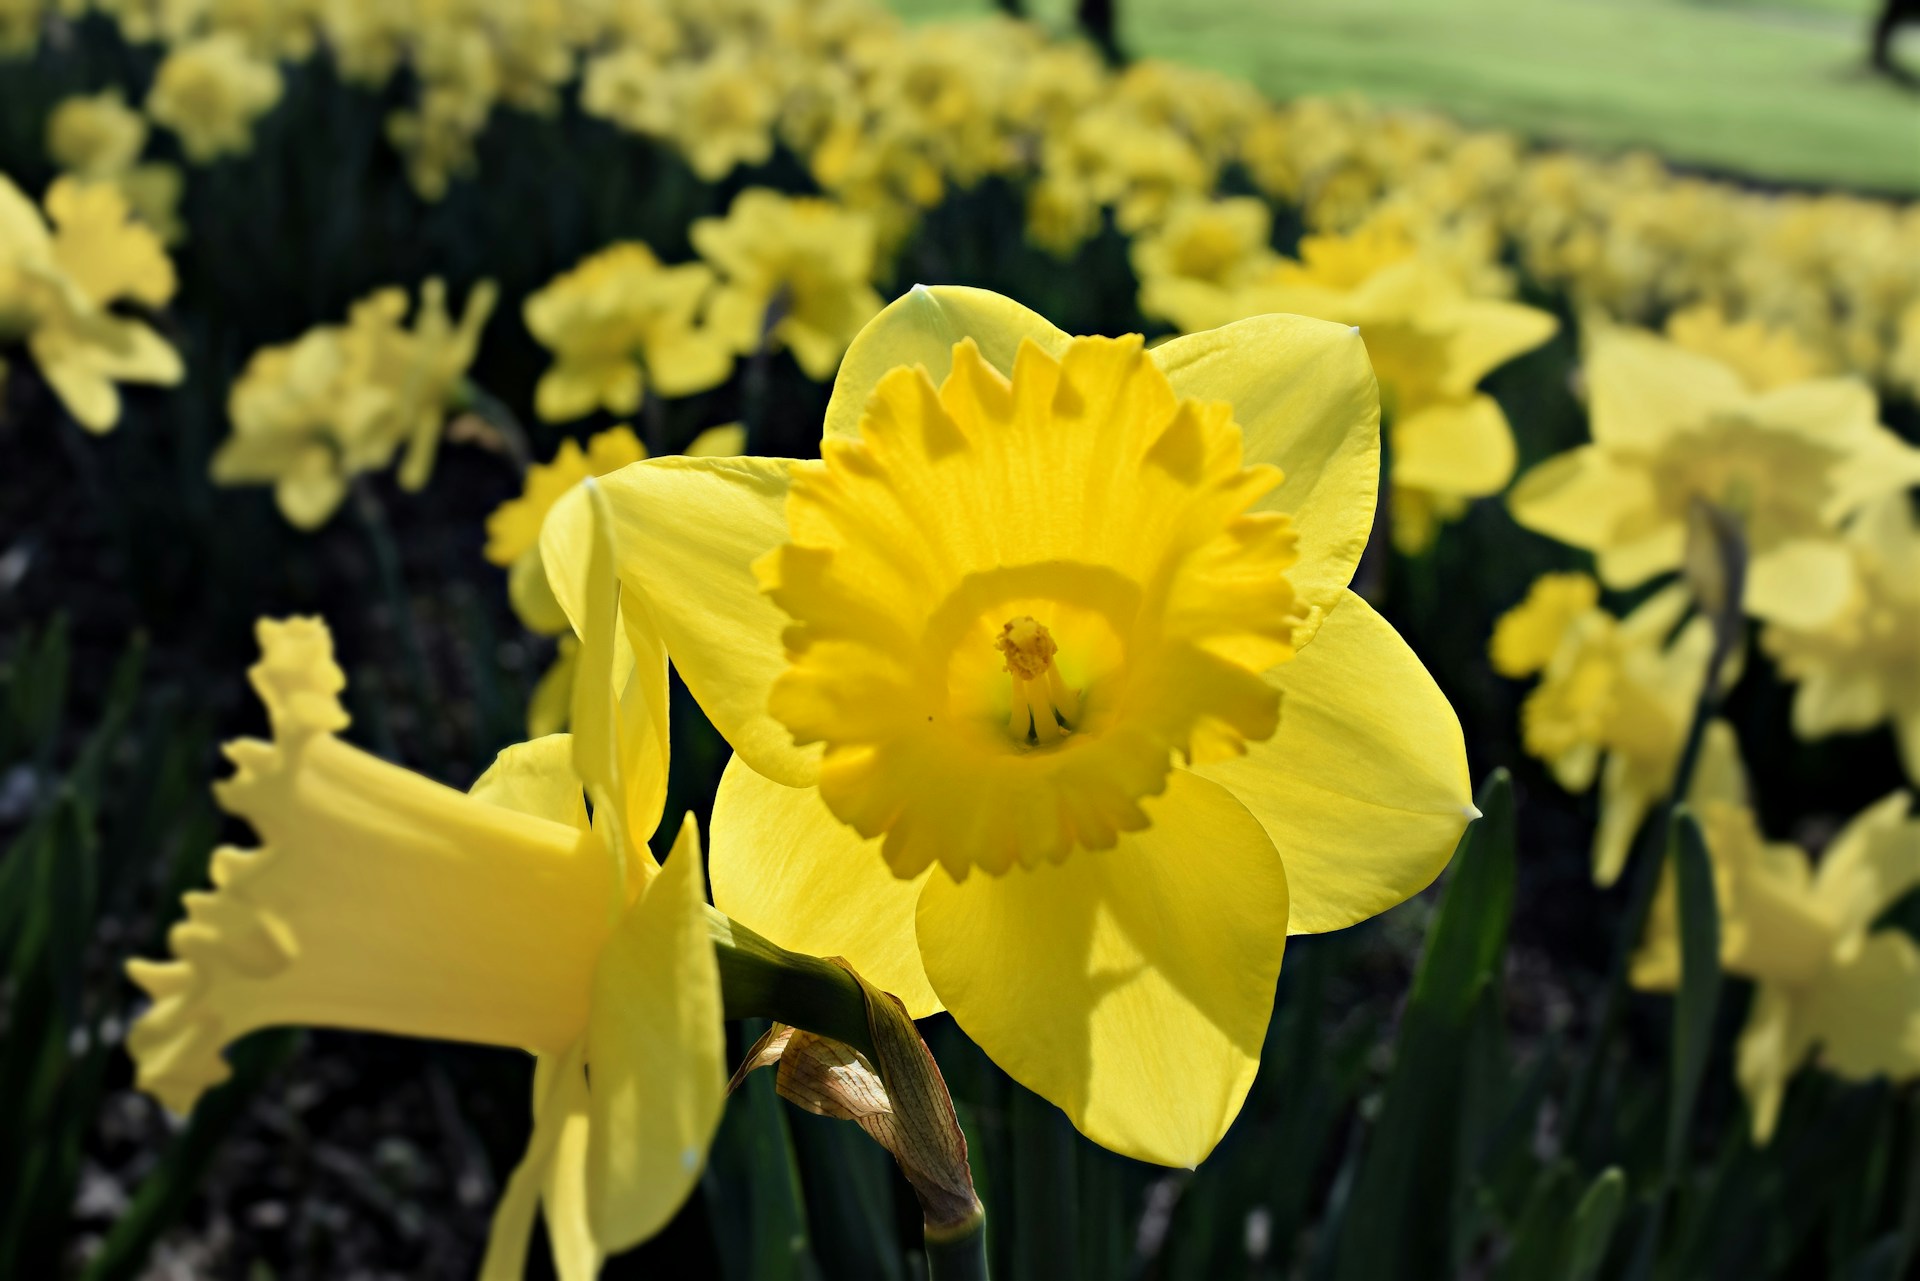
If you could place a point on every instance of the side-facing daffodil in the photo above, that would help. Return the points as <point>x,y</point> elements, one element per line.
<point>1672,426</point>
<point>1827,983</point>
<point>1049,701</point>
<point>1618,691</point>
<point>1862,668</point>
<point>795,272</point>
<point>382,901</point>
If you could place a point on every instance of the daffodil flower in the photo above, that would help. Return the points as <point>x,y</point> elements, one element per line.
<point>382,901</point>
<point>1615,699</point>
<point>57,287</point>
<point>1671,426</point>
<point>1862,668</point>
<point>1828,984</point>
<point>1049,702</point>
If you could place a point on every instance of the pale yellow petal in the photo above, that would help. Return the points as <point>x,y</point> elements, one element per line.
<point>1872,862</point>
<point>1364,789</point>
<point>1584,498</point>
<point>1864,1013</point>
<point>920,328</point>
<point>657,1053</point>
<point>560,1094</point>
<point>1462,448</point>
<point>786,868</point>
<point>688,531</point>
<point>1643,388</point>
<point>535,778</point>
<point>1304,395</point>
<point>1130,986</point>
<point>1803,583</point>
<point>1770,1050</point>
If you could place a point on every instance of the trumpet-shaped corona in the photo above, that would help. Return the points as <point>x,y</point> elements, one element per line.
<point>1092,597</point>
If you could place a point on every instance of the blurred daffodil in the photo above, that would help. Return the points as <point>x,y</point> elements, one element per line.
<point>59,283</point>
<point>1862,668</point>
<point>619,322</point>
<point>1828,984</point>
<point>1612,691</point>
<point>209,91</point>
<point>310,415</point>
<point>1004,675</point>
<point>1763,355</point>
<point>1431,342</point>
<point>1671,426</point>
<point>795,272</point>
<point>95,135</point>
<point>381,901</point>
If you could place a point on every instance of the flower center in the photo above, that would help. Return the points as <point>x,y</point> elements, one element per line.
<point>1043,707</point>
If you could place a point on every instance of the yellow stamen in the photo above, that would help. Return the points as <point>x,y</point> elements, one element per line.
<point>1043,706</point>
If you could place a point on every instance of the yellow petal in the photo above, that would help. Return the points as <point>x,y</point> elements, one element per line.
<point>1364,790</point>
<point>725,441</point>
<point>531,595</point>
<point>1872,862</point>
<point>1487,333</point>
<point>560,1096</point>
<point>1304,395</point>
<point>687,531</point>
<point>1644,389</point>
<point>657,1054</point>
<point>1463,448</point>
<point>1584,498</point>
<point>785,867</point>
<point>1771,1048</point>
<point>1864,1013</point>
<point>920,328</point>
<point>535,778</point>
<point>1129,986</point>
<point>619,710</point>
<point>551,706</point>
<point>1802,583</point>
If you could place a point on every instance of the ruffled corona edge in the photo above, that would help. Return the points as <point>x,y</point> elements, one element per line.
<point>176,1043</point>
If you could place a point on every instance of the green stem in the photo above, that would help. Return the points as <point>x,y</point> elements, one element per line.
<point>958,1254</point>
<point>761,979</point>
<point>496,414</point>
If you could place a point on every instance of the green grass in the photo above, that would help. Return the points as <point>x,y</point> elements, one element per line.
<point>1775,89</point>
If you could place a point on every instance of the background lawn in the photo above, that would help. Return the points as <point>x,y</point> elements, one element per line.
<point>1774,89</point>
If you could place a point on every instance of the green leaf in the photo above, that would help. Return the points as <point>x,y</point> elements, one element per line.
<point>1699,996</point>
<point>1414,1153</point>
<point>1593,1223</point>
<point>752,1186</point>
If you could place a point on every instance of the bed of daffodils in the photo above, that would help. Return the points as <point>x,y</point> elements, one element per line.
<point>913,523</point>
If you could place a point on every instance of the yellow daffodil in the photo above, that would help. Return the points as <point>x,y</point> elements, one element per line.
<point>1611,690</point>
<point>1827,983</point>
<point>619,321</point>
<point>57,285</point>
<point>1862,668</point>
<point>723,113</point>
<point>1203,250</point>
<point>513,541</point>
<point>309,415</point>
<point>381,901</point>
<point>1431,343</point>
<point>210,91</point>
<point>1671,426</point>
<point>1765,357</point>
<point>795,272</point>
<point>96,135</point>
<point>1049,702</point>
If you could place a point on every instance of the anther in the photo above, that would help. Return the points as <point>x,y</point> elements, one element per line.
<point>1043,707</point>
